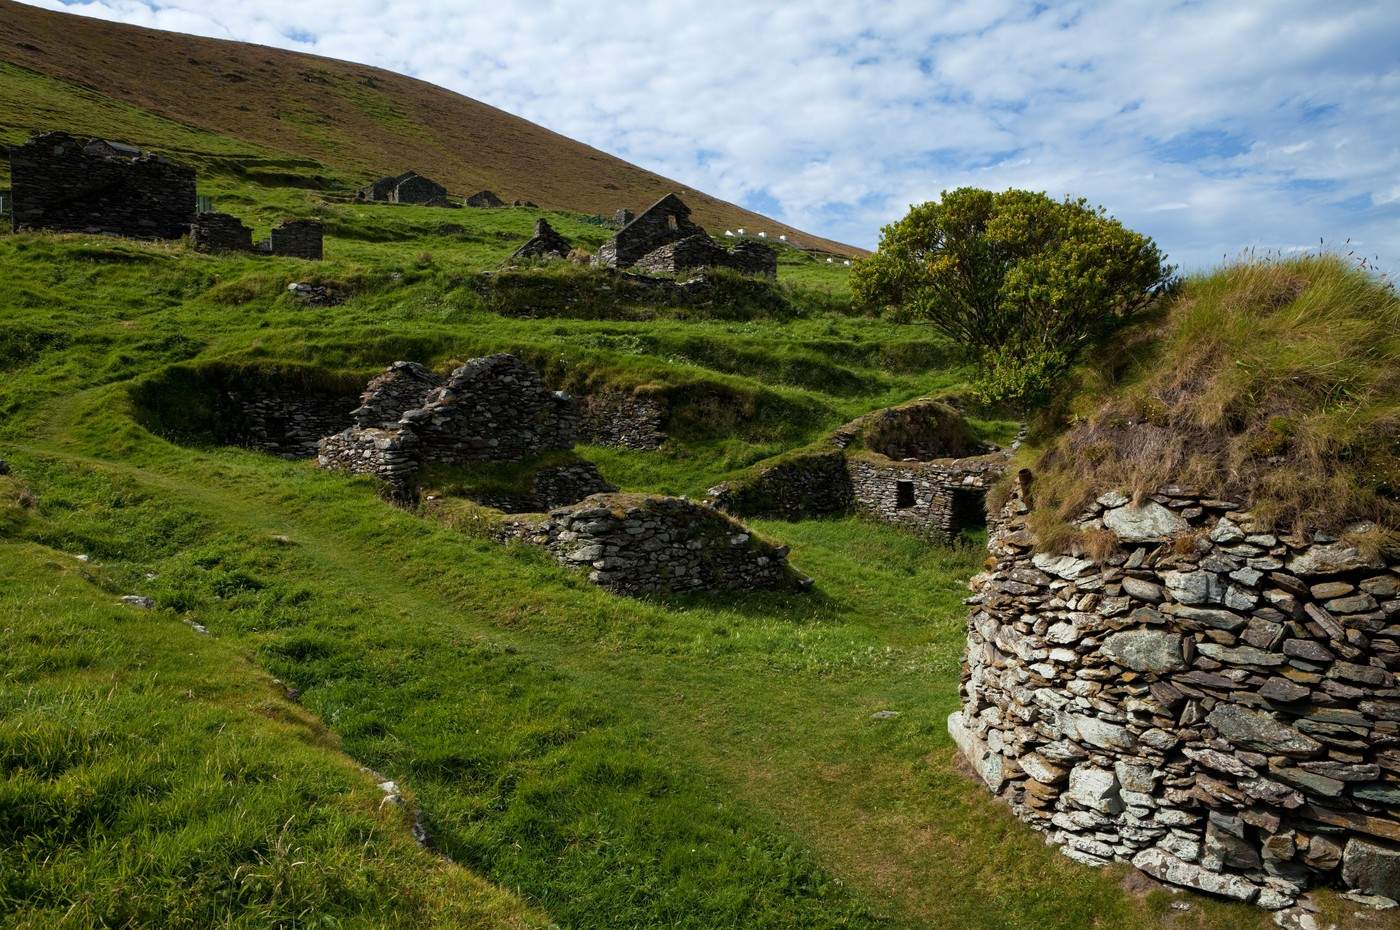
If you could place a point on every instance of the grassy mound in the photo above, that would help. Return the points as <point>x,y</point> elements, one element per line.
<point>1275,382</point>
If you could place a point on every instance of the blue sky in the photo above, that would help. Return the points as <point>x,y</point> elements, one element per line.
<point>1212,126</point>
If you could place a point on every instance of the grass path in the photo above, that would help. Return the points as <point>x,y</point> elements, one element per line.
<point>785,734</point>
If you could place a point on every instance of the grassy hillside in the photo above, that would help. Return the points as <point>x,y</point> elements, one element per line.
<point>1276,382</point>
<point>264,113</point>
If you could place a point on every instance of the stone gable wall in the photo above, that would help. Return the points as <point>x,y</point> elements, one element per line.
<point>933,498</point>
<point>1215,703</point>
<point>664,222</point>
<point>637,544</point>
<point>296,239</point>
<point>391,455</point>
<point>401,387</point>
<point>63,183</point>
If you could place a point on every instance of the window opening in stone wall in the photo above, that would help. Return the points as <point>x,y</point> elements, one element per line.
<point>672,224</point>
<point>904,494</point>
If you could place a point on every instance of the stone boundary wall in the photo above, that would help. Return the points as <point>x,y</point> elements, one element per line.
<point>68,184</point>
<point>1215,702</point>
<point>641,544</point>
<point>700,251</point>
<point>623,420</point>
<point>296,239</point>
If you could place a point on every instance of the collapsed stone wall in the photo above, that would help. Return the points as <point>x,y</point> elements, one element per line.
<point>550,486</point>
<point>68,184</point>
<point>401,387</point>
<point>295,239</point>
<point>484,200</point>
<point>623,420</point>
<point>1214,702</point>
<point>545,243</point>
<point>641,544</point>
<point>700,251</point>
<point>390,454</point>
<point>493,409</point>
<point>220,232</point>
<point>800,487</point>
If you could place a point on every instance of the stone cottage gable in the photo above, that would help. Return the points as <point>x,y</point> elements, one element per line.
<point>402,387</point>
<point>494,408</point>
<point>417,189</point>
<point>545,243</point>
<point>485,200</point>
<point>664,222</point>
<point>68,184</point>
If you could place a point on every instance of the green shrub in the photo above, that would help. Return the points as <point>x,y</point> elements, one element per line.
<point>1021,281</point>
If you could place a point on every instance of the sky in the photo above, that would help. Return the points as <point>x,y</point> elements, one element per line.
<point>1214,127</point>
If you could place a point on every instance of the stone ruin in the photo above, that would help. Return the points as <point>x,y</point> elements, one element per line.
<point>622,217</point>
<point>645,544</point>
<point>933,487</point>
<point>1214,702</point>
<point>485,200</point>
<point>407,188</point>
<point>64,183</point>
<point>545,243</point>
<point>623,419</point>
<point>220,232</point>
<point>286,423</point>
<point>663,239</point>
<point>489,409</point>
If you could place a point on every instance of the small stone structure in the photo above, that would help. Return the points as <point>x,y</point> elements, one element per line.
<point>220,232</point>
<point>545,243</point>
<point>623,420</point>
<point>485,200</point>
<point>407,188</point>
<point>643,544</point>
<point>932,496</point>
<point>663,240</point>
<point>64,183</point>
<point>1213,701</point>
<point>294,239</point>
<point>490,409</point>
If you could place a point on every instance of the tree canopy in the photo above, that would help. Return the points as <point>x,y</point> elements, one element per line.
<point>1021,281</point>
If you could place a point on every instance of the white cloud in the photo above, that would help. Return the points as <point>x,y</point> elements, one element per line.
<point>1209,124</point>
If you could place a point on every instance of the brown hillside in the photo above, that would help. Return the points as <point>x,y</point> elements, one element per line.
<point>362,121</point>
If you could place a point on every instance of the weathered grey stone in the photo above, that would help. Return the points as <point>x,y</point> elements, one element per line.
<point>1196,587</point>
<point>1372,867</point>
<point>1151,521</point>
<point>1156,651</point>
<point>1041,769</point>
<point>1062,566</point>
<point>1240,655</point>
<point>1143,590</point>
<point>1283,691</point>
<point>1331,560</point>
<point>1260,731</point>
<point>1101,733</point>
<point>1163,866</point>
<point>1094,788</point>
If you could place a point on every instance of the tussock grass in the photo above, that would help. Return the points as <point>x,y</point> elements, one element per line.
<point>1273,382</point>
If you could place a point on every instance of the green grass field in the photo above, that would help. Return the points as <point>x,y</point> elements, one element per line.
<point>579,759</point>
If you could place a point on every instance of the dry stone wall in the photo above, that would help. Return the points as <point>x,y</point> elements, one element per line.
<point>934,498</point>
<point>1214,702</point>
<point>623,420</point>
<point>640,544</point>
<point>220,232</point>
<point>286,423</point>
<point>551,486</point>
<point>64,183</point>
<point>390,454</point>
<point>295,239</point>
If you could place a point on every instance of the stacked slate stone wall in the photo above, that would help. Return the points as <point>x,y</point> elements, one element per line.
<point>638,544</point>
<point>623,420</point>
<point>401,387</point>
<point>389,454</point>
<point>220,232</point>
<point>664,222</point>
<point>68,184</point>
<point>296,239</point>
<point>286,423</point>
<point>754,258</point>
<point>934,498</point>
<point>700,251</point>
<point>493,409</point>
<point>800,487</point>
<point>1214,702</point>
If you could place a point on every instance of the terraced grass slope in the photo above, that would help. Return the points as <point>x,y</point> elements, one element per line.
<point>337,123</point>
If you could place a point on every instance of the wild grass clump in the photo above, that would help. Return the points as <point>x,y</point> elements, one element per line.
<point>1273,382</point>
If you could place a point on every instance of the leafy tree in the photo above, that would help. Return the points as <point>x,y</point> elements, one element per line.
<point>1022,282</point>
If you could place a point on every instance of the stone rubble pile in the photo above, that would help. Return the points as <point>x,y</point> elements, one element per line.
<point>1215,703</point>
<point>644,544</point>
<point>545,243</point>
